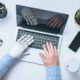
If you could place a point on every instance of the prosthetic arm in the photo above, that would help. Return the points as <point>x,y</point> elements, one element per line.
<point>21,45</point>
<point>17,51</point>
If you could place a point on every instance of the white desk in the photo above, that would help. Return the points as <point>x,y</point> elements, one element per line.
<point>26,71</point>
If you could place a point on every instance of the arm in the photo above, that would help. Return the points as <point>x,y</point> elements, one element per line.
<point>17,51</point>
<point>5,63</point>
<point>52,73</point>
<point>50,60</point>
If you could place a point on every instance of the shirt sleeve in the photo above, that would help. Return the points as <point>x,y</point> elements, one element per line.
<point>52,73</point>
<point>5,63</point>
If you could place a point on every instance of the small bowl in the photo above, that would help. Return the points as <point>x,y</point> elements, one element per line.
<point>77,20</point>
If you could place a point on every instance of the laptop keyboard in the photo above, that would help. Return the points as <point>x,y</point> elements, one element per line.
<point>39,38</point>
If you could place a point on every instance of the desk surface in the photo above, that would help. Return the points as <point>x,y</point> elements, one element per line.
<point>26,71</point>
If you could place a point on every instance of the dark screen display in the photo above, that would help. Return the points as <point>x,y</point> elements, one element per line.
<point>41,20</point>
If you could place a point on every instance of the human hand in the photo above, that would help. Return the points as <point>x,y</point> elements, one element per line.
<point>51,56</point>
<point>21,45</point>
<point>55,21</point>
<point>28,16</point>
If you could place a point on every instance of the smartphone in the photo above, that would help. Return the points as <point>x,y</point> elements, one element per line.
<point>75,43</point>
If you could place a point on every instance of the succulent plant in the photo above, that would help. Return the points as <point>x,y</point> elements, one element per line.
<point>77,16</point>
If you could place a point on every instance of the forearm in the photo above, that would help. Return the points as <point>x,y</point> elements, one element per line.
<point>52,73</point>
<point>5,63</point>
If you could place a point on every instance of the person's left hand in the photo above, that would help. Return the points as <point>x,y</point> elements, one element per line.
<point>55,21</point>
<point>21,45</point>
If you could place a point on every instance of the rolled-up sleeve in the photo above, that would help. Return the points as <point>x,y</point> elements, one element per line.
<point>53,73</point>
<point>5,63</point>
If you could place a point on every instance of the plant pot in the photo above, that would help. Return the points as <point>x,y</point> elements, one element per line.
<point>77,17</point>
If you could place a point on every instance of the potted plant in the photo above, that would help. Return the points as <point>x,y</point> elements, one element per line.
<point>77,17</point>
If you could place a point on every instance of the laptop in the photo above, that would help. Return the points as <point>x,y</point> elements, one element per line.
<point>41,32</point>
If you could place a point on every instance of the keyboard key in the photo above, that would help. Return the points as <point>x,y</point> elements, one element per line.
<point>39,38</point>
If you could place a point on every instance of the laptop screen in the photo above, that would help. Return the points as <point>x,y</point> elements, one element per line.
<point>40,20</point>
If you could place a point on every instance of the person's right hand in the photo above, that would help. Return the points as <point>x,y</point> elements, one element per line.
<point>51,56</point>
